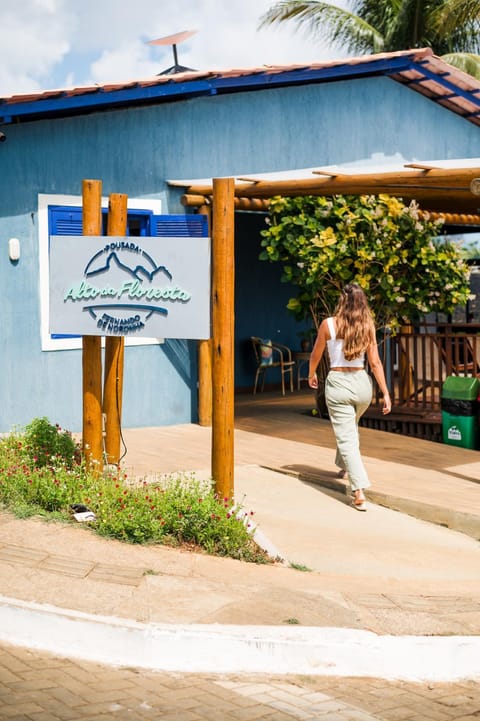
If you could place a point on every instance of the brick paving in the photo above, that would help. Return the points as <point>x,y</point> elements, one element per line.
<point>68,566</point>
<point>36,686</point>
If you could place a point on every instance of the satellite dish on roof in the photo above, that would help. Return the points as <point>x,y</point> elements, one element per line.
<point>174,40</point>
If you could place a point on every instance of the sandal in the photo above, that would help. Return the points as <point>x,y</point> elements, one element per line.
<point>359,505</point>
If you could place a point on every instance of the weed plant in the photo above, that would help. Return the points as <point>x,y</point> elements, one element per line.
<point>42,473</point>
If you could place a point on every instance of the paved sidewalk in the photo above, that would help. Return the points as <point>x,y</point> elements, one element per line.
<point>39,687</point>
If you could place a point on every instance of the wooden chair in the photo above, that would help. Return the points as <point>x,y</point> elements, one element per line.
<point>272,355</point>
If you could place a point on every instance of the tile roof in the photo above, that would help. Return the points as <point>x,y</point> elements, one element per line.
<point>420,70</point>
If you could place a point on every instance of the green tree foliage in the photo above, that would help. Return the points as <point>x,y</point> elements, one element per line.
<point>449,27</point>
<point>398,258</point>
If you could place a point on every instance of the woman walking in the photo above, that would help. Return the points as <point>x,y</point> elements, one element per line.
<point>349,335</point>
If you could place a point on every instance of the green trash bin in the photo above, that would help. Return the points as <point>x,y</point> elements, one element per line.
<point>460,425</point>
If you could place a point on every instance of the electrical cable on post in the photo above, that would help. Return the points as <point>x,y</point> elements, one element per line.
<point>119,414</point>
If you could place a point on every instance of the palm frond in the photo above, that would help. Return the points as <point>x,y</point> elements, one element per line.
<point>457,12</point>
<point>324,21</point>
<point>468,62</point>
<point>456,24</point>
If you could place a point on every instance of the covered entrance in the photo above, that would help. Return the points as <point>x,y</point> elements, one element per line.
<point>449,189</point>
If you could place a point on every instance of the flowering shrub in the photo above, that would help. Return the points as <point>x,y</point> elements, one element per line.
<point>176,511</point>
<point>398,258</point>
<point>44,443</point>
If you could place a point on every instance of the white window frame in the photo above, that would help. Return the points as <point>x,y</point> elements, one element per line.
<point>44,201</point>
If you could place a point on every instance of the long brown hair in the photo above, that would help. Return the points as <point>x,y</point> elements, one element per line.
<point>354,321</point>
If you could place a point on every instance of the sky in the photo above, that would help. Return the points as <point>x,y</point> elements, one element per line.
<point>49,44</point>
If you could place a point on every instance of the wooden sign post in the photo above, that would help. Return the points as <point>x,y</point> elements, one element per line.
<point>91,345</point>
<point>223,315</point>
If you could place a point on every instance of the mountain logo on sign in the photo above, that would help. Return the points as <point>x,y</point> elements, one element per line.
<point>137,272</point>
<point>125,295</point>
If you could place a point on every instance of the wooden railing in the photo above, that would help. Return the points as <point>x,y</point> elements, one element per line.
<point>418,359</point>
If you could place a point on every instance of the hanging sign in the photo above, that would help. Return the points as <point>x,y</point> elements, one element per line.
<point>128,286</point>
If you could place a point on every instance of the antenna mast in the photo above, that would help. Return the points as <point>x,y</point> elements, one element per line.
<point>174,40</point>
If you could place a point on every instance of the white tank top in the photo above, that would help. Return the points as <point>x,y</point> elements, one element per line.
<point>335,351</point>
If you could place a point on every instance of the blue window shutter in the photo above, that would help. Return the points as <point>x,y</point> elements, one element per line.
<point>68,221</point>
<point>64,221</point>
<point>173,226</point>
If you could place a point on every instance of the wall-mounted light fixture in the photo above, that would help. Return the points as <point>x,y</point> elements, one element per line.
<point>14,249</point>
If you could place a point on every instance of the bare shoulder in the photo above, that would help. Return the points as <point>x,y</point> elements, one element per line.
<point>324,330</point>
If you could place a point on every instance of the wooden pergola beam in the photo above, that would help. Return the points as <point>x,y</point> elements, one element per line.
<point>262,205</point>
<point>435,178</point>
<point>199,201</point>
<point>456,218</point>
<point>436,189</point>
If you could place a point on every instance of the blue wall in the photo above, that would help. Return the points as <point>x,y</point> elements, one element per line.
<point>260,301</point>
<point>135,151</point>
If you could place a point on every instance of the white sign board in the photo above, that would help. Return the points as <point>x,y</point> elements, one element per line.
<point>128,286</point>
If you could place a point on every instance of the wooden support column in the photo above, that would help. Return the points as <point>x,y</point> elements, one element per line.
<point>223,283</point>
<point>91,345</point>
<point>205,359</point>
<point>406,362</point>
<point>114,349</point>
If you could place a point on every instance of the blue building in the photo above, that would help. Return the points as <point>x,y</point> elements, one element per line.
<point>135,137</point>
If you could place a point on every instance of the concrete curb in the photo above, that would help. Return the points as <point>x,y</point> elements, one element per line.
<point>200,648</point>
<point>466,523</point>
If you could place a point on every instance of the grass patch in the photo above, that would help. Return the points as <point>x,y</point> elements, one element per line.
<point>42,473</point>
<point>300,567</point>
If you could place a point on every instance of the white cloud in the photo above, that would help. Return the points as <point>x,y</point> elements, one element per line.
<point>52,43</point>
<point>33,39</point>
<point>123,63</point>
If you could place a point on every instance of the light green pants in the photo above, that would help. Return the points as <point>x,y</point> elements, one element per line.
<point>348,395</point>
